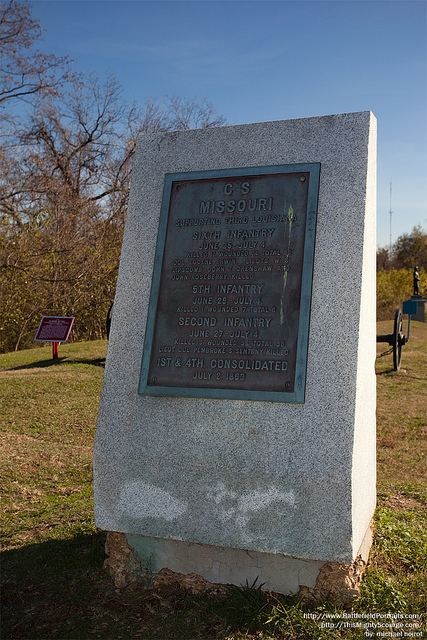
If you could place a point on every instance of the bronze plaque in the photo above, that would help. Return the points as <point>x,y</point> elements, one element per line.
<point>232,277</point>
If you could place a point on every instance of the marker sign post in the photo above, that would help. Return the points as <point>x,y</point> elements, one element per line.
<point>54,329</point>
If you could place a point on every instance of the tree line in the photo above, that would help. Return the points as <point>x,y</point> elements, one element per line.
<point>66,145</point>
<point>395,271</point>
<point>409,251</point>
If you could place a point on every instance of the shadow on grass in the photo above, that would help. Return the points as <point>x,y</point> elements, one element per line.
<point>59,590</point>
<point>49,588</point>
<point>97,362</point>
<point>402,373</point>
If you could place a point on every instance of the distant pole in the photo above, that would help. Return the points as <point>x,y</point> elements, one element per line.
<point>390,215</point>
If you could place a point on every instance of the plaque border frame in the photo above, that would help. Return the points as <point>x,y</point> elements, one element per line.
<point>298,395</point>
<point>70,326</point>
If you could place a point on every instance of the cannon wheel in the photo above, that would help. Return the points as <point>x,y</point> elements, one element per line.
<point>398,339</point>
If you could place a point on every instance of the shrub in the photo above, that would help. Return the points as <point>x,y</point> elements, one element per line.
<point>393,287</point>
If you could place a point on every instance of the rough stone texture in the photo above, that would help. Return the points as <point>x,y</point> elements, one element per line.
<point>121,561</point>
<point>296,480</point>
<point>336,582</point>
<point>128,573</point>
<point>167,579</point>
<point>339,583</point>
<point>224,565</point>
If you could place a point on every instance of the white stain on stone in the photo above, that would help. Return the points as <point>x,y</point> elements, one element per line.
<point>140,500</point>
<point>220,493</point>
<point>257,500</point>
<point>240,509</point>
<point>227,514</point>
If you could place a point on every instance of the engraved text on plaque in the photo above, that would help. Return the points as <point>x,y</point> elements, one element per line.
<point>230,301</point>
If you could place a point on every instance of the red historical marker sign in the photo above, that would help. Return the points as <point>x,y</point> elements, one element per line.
<point>54,329</point>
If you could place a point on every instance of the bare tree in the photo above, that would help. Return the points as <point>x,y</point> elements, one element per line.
<point>188,113</point>
<point>66,146</point>
<point>63,198</point>
<point>25,72</point>
<point>62,216</point>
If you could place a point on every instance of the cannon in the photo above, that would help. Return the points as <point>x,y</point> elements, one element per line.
<point>397,339</point>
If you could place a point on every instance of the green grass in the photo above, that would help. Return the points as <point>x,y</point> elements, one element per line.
<point>401,417</point>
<point>54,583</point>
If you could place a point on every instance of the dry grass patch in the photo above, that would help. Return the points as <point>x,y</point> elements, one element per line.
<point>401,415</point>
<point>54,584</point>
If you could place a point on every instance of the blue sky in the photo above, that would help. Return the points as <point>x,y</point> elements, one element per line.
<point>260,60</point>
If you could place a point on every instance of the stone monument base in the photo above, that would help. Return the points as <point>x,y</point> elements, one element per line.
<point>421,303</point>
<point>229,477</point>
<point>137,560</point>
